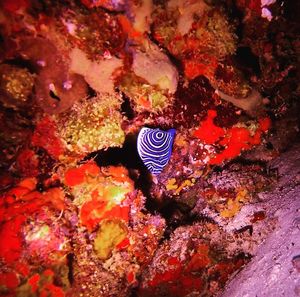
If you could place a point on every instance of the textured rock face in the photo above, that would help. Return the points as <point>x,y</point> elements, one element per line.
<point>81,213</point>
<point>273,271</point>
<point>156,68</point>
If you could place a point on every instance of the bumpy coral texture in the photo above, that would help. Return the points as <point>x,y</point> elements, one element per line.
<point>80,214</point>
<point>92,125</point>
<point>15,86</point>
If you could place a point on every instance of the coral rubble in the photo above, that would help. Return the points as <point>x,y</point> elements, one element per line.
<point>81,214</point>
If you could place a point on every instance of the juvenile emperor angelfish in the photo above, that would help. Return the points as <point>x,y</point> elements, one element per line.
<point>155,147</point>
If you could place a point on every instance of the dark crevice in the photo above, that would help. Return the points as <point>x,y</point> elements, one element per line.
<point>128,157</point>
<point>175,213</point>
<point>236,15</point>
<point>21,63</point>
<point>91,92</point>
<point>292,11</point>
<point>126,108</point>
<point>179,214</point>
<point>53,95</point>
<point>70,261</point>
<point>247,61</point>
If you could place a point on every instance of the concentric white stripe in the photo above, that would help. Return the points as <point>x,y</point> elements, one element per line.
<point>154,147</point>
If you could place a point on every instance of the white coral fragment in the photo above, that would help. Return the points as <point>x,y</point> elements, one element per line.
<point>251,103</point>
<point>155,67</point>
<point>266,13</point>
<point>98,74</point>
<point>142,16</point>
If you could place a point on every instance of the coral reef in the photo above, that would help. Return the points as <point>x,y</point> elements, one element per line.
<point>82,210</point>
<point>92,125</point>
<point>144,96</point>
<point>190,263</point>
<point>24,210</point>
<point>121,238</point>
<point>201,37</point>
<point>16,86</point>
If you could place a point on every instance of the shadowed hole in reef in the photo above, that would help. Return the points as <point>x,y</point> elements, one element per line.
<point>128,157</point>
<point>91,92</point>
<point>179,214</point>
<point>126,108</point>
<point>175,213</point>
<point>53,95</point>
<point>70,261</point>
<point>21,63</point>
<point>247,61</point>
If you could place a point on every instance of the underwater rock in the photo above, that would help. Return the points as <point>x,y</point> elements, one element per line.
<point>15,86</point>
<point>91,125</point>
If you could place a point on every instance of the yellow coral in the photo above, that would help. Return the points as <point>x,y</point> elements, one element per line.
<point>180,140</point>
<point>16,83</point>
<point>171,184</point>
<point>109,235</point>
<point>221,32</point>
<point>92,125</point>
<point>234,205</point>
<point>186,183</point>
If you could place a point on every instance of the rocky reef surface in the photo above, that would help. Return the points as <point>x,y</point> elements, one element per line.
<point>81,214</point>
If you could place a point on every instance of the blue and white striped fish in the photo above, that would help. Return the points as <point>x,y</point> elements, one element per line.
<point>155,147</point>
